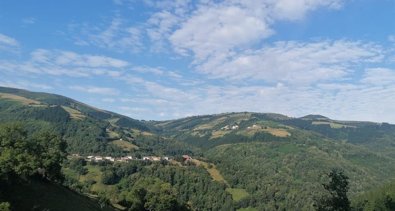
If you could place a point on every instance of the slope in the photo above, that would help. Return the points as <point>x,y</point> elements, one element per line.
<point>38,195</point>
<point>86,129</point>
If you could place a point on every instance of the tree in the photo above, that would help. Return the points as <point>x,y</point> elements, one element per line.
<point>4,206</point>
<point>23,155</point>
<point>337,189</point>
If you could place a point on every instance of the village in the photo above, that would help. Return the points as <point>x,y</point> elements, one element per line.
<point>97,158</point>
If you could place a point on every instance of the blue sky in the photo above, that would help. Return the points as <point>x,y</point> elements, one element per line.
<point>175,58</point>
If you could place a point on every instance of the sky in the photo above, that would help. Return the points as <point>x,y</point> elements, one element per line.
<point>169,59</point>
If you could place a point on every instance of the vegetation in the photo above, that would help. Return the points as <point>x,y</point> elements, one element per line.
<point>381,198</point>
<point>286,175</point>
<point>337,188</point>
<point>241,161</point>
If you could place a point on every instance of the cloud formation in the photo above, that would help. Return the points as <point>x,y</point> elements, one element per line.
<point>95,90</point>
<point>295,62</point>
<point>183,57</point>
<point>8,43</point>
<point>58,63</point>
<point>116,35</point>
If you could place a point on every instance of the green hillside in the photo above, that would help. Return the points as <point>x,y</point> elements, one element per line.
<point>87,130</point>
<point>279,161</point>
<point>241,161</point>
<point>287,175</point>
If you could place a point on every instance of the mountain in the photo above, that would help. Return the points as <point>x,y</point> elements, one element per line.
<point>212,130</point>
<point>245,160</point>
<point>275,157</point>
<point>87,130</point>
<point>75,109</point>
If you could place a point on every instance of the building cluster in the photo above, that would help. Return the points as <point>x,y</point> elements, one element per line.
<point>230,127</point>
<point>254,127</point>
<point>97,158</point>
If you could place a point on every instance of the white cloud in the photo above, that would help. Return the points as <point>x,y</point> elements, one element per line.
<point>379,76</point>
<point>74,59</point>
<point>218,29</point>
<point>208,28</point>
<point>391,38</point>
<point>6,40</point>
<point>108,100</point>
<point>347,101</point>
<point>158,71</point>
<point>95,90</point>
<point>56,63</point>
<point>24,84</point>
<point>8,43</point>
<point>29,20</point>
<point>297,9</point>
<point>161,25</point>
<point>117,36</point>
<point>294,62</point>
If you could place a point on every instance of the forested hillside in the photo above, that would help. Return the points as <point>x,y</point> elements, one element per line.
<point>240,161</point>
<point>87,130</point>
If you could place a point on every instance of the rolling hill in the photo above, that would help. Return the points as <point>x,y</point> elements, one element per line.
<point>86,129</point>
<point>277,159</point>
<point>252,161</point>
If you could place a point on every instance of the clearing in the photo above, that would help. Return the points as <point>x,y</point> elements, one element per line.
<point>125,145</point>
<point>333,125</point>
<point>279,132</point>
<point>212,170</point>
<point>23,100</point>
<point>74,114</point>
<point>237,193</point>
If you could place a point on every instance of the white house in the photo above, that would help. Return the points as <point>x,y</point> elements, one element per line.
<point>109,158</point>
<point>98,158</point>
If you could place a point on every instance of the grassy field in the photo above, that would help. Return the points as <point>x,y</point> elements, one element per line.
<point>237,193</point>
<point>279,132</point>
<point>212,170</point>
<point>20,99</point>
<point>333,125</point>
<point>144,133</point>
<point>94,174</point>
<point>125,145</point>
<point>74,114</point>
<point>112,135</point>
<point>219,133</point>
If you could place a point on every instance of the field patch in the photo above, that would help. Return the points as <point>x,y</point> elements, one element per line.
<point>237,193</point>
<point>219,133</point>
<point>23,100</point>
<point>279,132</point>
<point>125,145</point>
<point>144,133</point>
<point>212,170</point>
<point>74,114</point>
<point>333,125</point>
